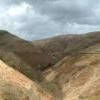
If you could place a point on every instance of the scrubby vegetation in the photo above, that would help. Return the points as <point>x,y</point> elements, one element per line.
<point>14,61</point>
<point>10,92</point>
<point>3,32</point>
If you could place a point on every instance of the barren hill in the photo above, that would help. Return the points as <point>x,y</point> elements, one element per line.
<point>78,75</point>
<point>62,68</point>
<point>24,49</point>
<point>22,55</point>
<point>61,46</point>
<point>15,86</point>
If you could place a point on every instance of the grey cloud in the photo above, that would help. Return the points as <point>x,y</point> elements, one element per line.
<point>79,11</point>
<point>51,17</point>
<point>68,10</point>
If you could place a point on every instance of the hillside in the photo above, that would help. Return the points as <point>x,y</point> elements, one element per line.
<point>62,68</point>
<point>26,58</point>
<point>22,55</point>
<point>15,86</point>
<point>78,75</point>
<point>55,46</point>
<point>24,49</point>
<point>61,46</point>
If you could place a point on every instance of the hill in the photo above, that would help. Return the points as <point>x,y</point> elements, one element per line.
<point>63,67</point>
<point>22,55</point>
<point>78,74</point>
<point>15,86</point>
<point>24,49</point>
<point>26,58</point>
<point>61,46</point>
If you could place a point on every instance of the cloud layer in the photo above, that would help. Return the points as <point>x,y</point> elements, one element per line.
<point>37,19</point>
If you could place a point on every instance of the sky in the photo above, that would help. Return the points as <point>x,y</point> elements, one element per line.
<point>38,19</point>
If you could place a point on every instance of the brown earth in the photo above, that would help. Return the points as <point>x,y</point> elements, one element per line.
<point>23,55</point>
<point>25,50</point>
<point>66,67</point>
<point>15,86</point>
<point>61,46</point>
<point>78,75</point>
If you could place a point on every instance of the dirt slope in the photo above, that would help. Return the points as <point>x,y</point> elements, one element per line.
<point>15,86</point>
<point>78,75</point>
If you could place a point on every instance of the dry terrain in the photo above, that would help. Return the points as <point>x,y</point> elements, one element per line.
<point>15,86</point>
<point>60,68</point>
<point>78,75</point>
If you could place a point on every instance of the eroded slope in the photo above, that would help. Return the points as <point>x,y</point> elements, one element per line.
<point>15,86</point>
<point>78,75</point>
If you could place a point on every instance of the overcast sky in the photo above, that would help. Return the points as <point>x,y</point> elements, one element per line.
<point>37,19</point>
